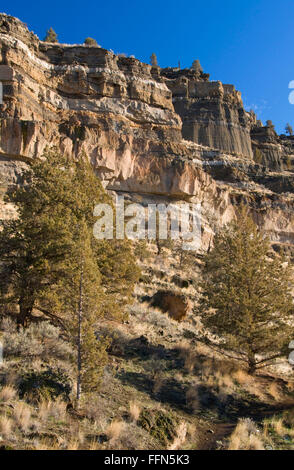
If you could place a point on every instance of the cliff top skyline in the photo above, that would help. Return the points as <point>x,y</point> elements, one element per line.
<point>243,44</point>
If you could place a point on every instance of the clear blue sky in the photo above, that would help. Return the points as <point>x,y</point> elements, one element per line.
<point>244,42</point>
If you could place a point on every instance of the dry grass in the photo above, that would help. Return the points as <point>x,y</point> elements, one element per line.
<point>7,393</point>
<point>256,389</point>
<point>290,386</point>
<point>241,377</point>
<point>135,411</point>
<point>278,426</point>
<point>47,444</point>
<point>245,437</point>
<point>55,409</point>
<point>114,430</point>
<point>273,391</point>
<point>22,415</point>
<point>6,426</point>
<point>181,434</point>
<point>73,444</point>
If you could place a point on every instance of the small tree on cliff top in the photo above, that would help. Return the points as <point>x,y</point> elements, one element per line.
<point>51,36</point>
<point>289,129</point>
<point>246,299</point>
<point>90,42</point>
<point>153,60</point>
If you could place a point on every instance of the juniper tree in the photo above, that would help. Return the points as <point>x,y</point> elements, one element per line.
<point>196,66</point>
<point>246,300</point>
<point>289,129</point>
<point>79,298</point>
<point>33,246</point>
<point>90,42</point>
<point>36,248</point>
<point>51,36</point>
<point>153,60</point>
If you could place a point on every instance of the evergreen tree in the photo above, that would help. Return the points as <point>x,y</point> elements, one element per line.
<point>246,298</point>
<point>153,60</point>
<point>51,36</point>
<point>90,42</point>
<point>33,247</point>
<point>196,66</point>
<point>80,298</point>
<point>52,265</point>
<point>289,129</point>
<point>36,249</point>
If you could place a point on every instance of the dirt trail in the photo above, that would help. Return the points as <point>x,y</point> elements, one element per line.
<point>224,430</point>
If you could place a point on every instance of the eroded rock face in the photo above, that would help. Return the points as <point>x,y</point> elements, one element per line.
<point>130,119</point>
<point>273,151</point>
<point>212,113</point>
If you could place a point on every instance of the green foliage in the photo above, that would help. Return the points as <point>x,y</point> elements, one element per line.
<point>52,265</point>
<point>196,66</point>
<point>153,60</point>
<point>161,425</point>
<point>289,129</point>
<point>51,36</point>
<point>246,295</point>
<point>47,384</point>
<point>90,42</point>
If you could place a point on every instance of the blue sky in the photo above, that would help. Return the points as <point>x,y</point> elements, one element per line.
<point>247,43</point>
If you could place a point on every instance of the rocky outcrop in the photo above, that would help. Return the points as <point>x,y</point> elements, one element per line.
<point>273,151</point>
<point>151,134</point>
<point>212,113</point>
<point>175,304</point>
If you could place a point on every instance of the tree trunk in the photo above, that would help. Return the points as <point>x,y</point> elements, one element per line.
<point>25,311</point>
<point>251,364</point>
<point>80,317</point>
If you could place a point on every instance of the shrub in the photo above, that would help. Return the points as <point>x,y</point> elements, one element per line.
<point>7,393</point>
<point>161,425</point>
<point>47,384</point>
<point>51,36</point>
<point>135,411</point>
<point>90,42</point>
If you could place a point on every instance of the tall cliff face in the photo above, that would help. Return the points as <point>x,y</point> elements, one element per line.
<point>155,135</point>
<point>212,113</point>
<point>275,152</point>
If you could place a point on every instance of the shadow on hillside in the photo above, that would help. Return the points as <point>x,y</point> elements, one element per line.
<point>171,392</point>
<point>228,409</point>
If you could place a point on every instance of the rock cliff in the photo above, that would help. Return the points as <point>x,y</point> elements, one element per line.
<point>153,134</point>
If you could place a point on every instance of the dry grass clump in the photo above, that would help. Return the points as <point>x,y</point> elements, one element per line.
<point>55,409</point>
<point>114,430</point>
<point>6,426</point>
<point>257,390</point>
<point>241,377</point>
<point>273,391</point>
<point>7,393</point>
<point>245,436</point>
<point>135,411</point>
<point>278,426</point>
<point>22,415</point>
<point>181,434</point>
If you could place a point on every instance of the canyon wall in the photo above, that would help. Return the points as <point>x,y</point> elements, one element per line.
<point>152,134</point>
